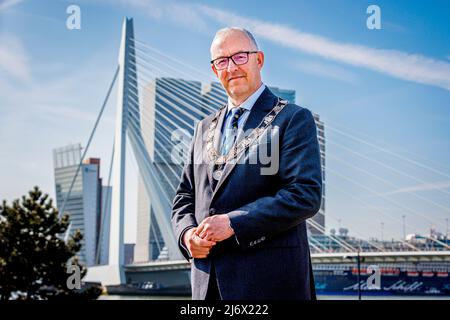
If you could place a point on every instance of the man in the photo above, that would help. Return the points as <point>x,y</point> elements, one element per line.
<point>244,229</point>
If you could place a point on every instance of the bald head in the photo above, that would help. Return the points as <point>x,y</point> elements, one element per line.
<point>224,33</point>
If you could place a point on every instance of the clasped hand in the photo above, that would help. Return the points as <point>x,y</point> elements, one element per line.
<point>199,240</point>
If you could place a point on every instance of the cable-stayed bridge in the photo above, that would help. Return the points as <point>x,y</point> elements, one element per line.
<point>159,101</point>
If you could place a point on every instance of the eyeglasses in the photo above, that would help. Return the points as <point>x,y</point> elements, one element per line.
<point>238,58</point>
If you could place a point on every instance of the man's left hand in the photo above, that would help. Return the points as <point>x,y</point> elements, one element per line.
<point>215,228</point>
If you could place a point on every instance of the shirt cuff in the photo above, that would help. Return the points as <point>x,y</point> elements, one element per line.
<point>182,245</point>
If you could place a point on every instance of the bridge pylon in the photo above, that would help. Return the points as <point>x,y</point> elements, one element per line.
<point>127,111</point>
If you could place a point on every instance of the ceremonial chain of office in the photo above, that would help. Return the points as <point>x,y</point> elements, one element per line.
<point>220,160</point>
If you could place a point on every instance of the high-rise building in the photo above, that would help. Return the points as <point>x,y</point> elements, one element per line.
<point>129,253</point>
<point>170,105</point>
<point>165,112</point>
<point>88,204</point>
<point>287,94</point>
<point>320,216</point>
<point>104,221</point>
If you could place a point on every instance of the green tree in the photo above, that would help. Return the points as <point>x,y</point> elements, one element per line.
<point>33,253</point>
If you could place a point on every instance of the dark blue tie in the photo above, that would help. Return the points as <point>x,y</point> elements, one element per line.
<point>231,129</point>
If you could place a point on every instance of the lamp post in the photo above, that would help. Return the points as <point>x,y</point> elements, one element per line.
<point>404,229</point>
<point>446,229</point>
<point>358,275</point>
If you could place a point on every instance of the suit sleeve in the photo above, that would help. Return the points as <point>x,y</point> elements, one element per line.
<point>183,207</point>
<point>300,192</point>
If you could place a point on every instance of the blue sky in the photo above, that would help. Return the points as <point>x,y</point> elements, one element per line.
<point>383,94</point>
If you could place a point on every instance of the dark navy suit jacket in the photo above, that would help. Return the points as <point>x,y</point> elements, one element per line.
<point>268,258</point>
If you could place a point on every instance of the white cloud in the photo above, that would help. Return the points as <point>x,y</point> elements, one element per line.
<point>50,113</point>
<point>153,8</point>
<point>65,112</point>
<point>406,66</point>
<point>13,58</point>
<point>6,4</point>
<point>184,14</point>
<point>326,71</point>
<point>56,113</point>
<point>440,185</point>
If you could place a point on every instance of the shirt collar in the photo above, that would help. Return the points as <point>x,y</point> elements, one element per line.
<point>250,101</point>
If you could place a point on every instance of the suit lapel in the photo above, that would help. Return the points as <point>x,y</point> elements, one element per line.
<point>263,105</point>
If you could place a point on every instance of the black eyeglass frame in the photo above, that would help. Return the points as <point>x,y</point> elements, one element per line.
<point>231,57</point>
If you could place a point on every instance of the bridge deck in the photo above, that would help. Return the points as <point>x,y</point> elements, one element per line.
<point>342,257</point>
